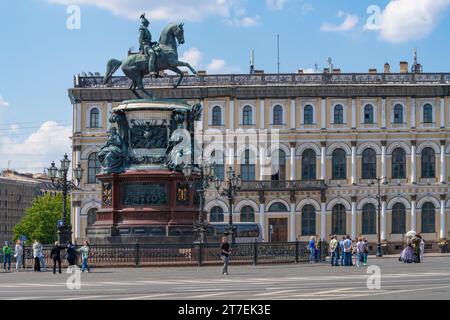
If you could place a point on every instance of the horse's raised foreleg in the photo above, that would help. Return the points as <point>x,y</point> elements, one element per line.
<point>180,73</point>
<point>185,64</point>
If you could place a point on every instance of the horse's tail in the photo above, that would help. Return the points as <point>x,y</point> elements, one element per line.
<point>112,67</point>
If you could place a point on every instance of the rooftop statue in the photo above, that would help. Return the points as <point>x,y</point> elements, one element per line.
<point>153,57</point>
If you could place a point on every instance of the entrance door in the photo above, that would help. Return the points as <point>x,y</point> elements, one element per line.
<point>278,229</point>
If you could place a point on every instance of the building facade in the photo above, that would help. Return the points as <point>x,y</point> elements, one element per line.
<point>336,135</point>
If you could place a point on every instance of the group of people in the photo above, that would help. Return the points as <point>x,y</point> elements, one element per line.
<point>415,246</point>
<point>314,250</point>
<point>348,251</point>
<point>39,255</point>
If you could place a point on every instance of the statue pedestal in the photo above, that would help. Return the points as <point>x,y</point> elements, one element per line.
<point>151,206</point>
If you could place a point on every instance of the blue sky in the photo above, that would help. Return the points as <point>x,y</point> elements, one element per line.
<point>40,55</point>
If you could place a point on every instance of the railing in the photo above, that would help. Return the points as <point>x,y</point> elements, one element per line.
<point>273,185</point>
<point>271,79</point>
<point>194,254</point>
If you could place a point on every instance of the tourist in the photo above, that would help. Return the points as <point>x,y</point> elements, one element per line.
<point>37,253</point>
<point>317,251</point>
<point>7,250</point>
<point>312,250</point>
<point>334,251</point>
<point>354,253</point>
<point>366,251</point>
<point>416,248</point>
<point>55,254</point>
<point>407,255</point>
<point>18,255</point>
<point>421,246</point>
<point>359,252</point>
<point>347,251</point>
<point>225,254</point>
<point>342,251</point>
<point>71,255</point>
<point>84,256</point>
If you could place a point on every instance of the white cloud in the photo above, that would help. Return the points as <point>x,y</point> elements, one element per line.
<point>306,8</point>
<point>38,150</point>
<point>219,66</point>
<point>349,23</point>
<point>244,22</point>
<point>309,70</point>
<point>187,10</point>
<point>405,20</point>
<point>3,102</point>
<point>193,56</point>
<point>216,66</point>
<point>275,4</point>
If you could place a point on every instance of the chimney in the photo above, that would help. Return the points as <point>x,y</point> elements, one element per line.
<point>387,68</point>
<point>372,70</point>
<point>403,67</point>
<point>201,72</point>
<point>259,71</point>
<point>300,71</point>
<point>337,71</point>
<point>326,70</point>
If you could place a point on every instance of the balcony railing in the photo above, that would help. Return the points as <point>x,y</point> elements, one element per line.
<point>271,79</point>
<point>283,185</point>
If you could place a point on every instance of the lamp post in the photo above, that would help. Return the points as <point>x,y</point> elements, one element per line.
<point>233,185</point>
<point>207,175</point>
<point>60,181</point>
<point>379,180</point>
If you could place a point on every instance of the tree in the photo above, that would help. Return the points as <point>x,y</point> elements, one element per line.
<point>40,220</point>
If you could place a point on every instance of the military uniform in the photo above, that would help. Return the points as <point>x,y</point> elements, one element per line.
<point>146,44</point>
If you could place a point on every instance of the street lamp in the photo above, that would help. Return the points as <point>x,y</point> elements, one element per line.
<point>233,185</point>
<point>379,180</point>
<point>59,181</point>
<point>206,177</point>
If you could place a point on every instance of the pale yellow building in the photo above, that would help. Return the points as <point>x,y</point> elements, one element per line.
<point>337,134</point>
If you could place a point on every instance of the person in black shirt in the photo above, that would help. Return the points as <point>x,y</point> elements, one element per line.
<point>225,254</point>
<point>55,254</point>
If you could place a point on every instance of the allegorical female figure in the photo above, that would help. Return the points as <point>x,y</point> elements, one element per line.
<point>113,154</point>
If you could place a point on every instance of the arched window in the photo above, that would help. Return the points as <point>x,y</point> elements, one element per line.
<point>279,166</point>
<point>94,118</point>
<point>428,113</point>
<point>369,164</point>
<point>309,165</point>
<point>398,164</point>
<point>308,114</point>
<point>398,114</point>
<point>368,219</point>
<point>338,220</point>
<point>217,161</point>
<point>368,114</point>
<point>278,115</point>
<point>428,218</point>
<point>94,167</point>
<point>338,114</point>
<point>247,214</point>
<point>216,214</point>
<point>278,207</point>
<point>247,117</point>
<point>248,166</point>
<point>91,217</point>
<point>308,220</point>
<point>428,162</point>
<point>339,164</point>
<point>398,218</point>
<point>217,116</point>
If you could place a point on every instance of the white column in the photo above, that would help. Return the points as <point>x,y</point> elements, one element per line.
<point>78,117</point>
<point>442,113</point>
<point>323,220</point>
<point>293,173</point>
<point>261,163</point>
<point>383,160</point>
<point>262,122</point>
<point>108,114</point>
<point>323,163</point>
<point>292,235</point>
<point>413,113</point>
<point>353,114</point>
<point>354,164</point>
<point>413,214</point>
<point>77,222</point>
<point>353,230</point>
<point>442,229</point>
<point>231,157</point>
<point>383,113</point>
<point>293,124</point>
<point>231,115</point>
<point>413,163</point>
<point>262,220</point>
<point>383,220</point>
<point>324,113</point>
<point>443,164</point>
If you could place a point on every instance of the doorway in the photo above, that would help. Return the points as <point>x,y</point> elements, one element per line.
<point>278,229</point>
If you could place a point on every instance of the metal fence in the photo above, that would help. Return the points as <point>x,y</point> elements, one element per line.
<point>194,254</point>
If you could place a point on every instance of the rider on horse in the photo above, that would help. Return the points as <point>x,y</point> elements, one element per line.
<point>146,44</point>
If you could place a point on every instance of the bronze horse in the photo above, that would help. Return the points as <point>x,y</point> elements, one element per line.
<point>135,66</point>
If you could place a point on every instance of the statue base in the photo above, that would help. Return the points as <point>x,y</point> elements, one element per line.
<point>149,206</point>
